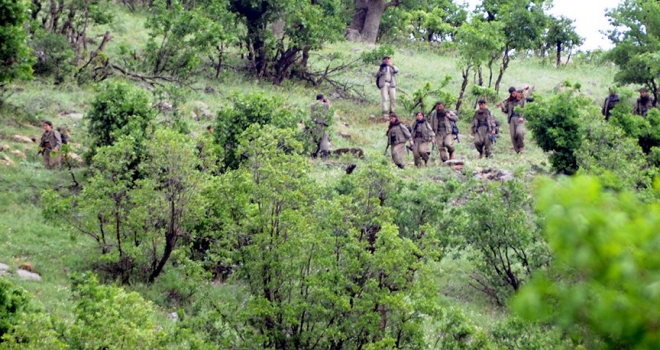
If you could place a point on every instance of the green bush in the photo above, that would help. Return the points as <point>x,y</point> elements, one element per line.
<point>376,55</point>
<point>245,110</point>
<point>556,127</point>
<point>54,55</point>
<point>13,302</point>
<point>118,109</point>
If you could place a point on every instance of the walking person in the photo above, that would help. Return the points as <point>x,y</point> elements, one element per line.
<point>644,103</point>
<point>422,135</point>
<point>320,110</point>
<point>483,129</point>
<point>397,135</point>
<point>386,82</point>
<point>515,119</point>
<point>50,146</point>
<point>610,102</point>
<point>441,120</point>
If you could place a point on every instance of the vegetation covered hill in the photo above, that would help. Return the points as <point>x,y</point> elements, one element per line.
<point>168,237</point>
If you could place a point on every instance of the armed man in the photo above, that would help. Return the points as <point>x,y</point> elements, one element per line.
<point>610,102</point>
<point>386,82</point>
<point>482,129</point>
<point>516,121</point>
<point>50,145</point>
<point>441,119</point>
<point>422,135</point>
<point>397,135</point>
<point>644,103</point>
<point>320,110</point>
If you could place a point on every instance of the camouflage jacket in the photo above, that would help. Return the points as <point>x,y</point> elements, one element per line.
<point>510,105</point>
<point>398,133</point>
<point>51,140</point>
<point>642,108</point>
<point>483,118</point>
<point>441,121</point>
<point>422,130</point>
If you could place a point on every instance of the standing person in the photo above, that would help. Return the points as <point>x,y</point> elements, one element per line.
<point>397,135</point>
<point>644,103</point>
<point>441,119</point>
<point>386,82</point>
<point>610,102</point>
<point>422,134</point>
<point>51,141</point>
<point>483,129</point>
<point>516,121</point>
<point>321,106</point>
<point>320,110</point>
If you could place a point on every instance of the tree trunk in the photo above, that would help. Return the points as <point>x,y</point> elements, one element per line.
<point>466,75</point>
<point>558,53</point>
<point>357,23</point>
<point>503,67</point>
<point>372,21</point>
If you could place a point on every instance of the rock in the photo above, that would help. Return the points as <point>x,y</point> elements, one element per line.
<point>21,139</point>
<point>350,168</point>
<point>344,135</point>
<point>209,90</point>
<point>4,148</point>
<point>75,157</point>
<point>352,35</point>
<point>6,161</point>
<point>454,162</point>
<point>19,154</point>
<point>27,275</point>
<point>208,114</point>
<point>4,270</point>
<point>164,106</point>
<point>72,115</point>
<point>200,105</point>
<point>173,316</point>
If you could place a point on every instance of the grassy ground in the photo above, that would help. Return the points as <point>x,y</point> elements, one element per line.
<point>55,251</point>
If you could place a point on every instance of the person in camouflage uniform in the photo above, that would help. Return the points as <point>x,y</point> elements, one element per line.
<point>644,103</point>
<point>516,121</point>
<point>482,129</point>
<point>320,110</point>
<point>610,102</point>
<point>51,141</point>
<point>441,119</point>
<point>397,135</point>
<point>422,134</point>
<point>386,82</point>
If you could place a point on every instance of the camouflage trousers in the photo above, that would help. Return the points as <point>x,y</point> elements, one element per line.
<point>421,152</point>
<point>399,154</point>
<point>517,132</point>
<point>482,141</point>
<point>445,143</point>
<point>52,159</point>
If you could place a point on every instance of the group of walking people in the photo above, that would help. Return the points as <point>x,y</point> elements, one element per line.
<point>440,129</point>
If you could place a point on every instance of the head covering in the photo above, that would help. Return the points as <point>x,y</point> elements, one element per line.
<point>319,96</point>
<point>643,90</point>
<point>48,123</point>
<point>482,101</point>
<point>386,57</point>
<point>439,103</point>
<point>512,89</point>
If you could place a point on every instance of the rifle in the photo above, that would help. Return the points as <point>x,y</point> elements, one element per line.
<point>386,148</point>
<point>41,151</point>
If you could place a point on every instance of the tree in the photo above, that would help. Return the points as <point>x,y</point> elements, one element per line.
<point>137,223</point>
<point>636,39</point>
<point>556,126</point>
<point>477,42</point>
<point>605,266</point>
<point>561,34</point>
<point>15,58</point>
<point>255,108</point>
<point>523,24</point>
<point>432,21</point>
<point>366,19</point>
<point>498,223</point>
<point>307,26</point>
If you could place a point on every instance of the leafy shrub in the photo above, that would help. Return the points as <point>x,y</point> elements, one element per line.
<point>424,98</point>
<point>15,54</point>
<point>456,331</point>
<point>118,109</point>
<point>376,55</point>
<point>516,333</point>
<point>497,221</point>
<point>605,265</point>
<point>54,55</point>
<point>556,127</point>
<point>13,302</point>
<point>255,108</point>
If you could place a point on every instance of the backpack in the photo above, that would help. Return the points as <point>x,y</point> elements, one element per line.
<point>64,139</point>
<point>454,127</point>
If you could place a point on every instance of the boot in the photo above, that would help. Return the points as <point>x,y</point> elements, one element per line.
<point>451,156</point>
<point>481,155</point>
